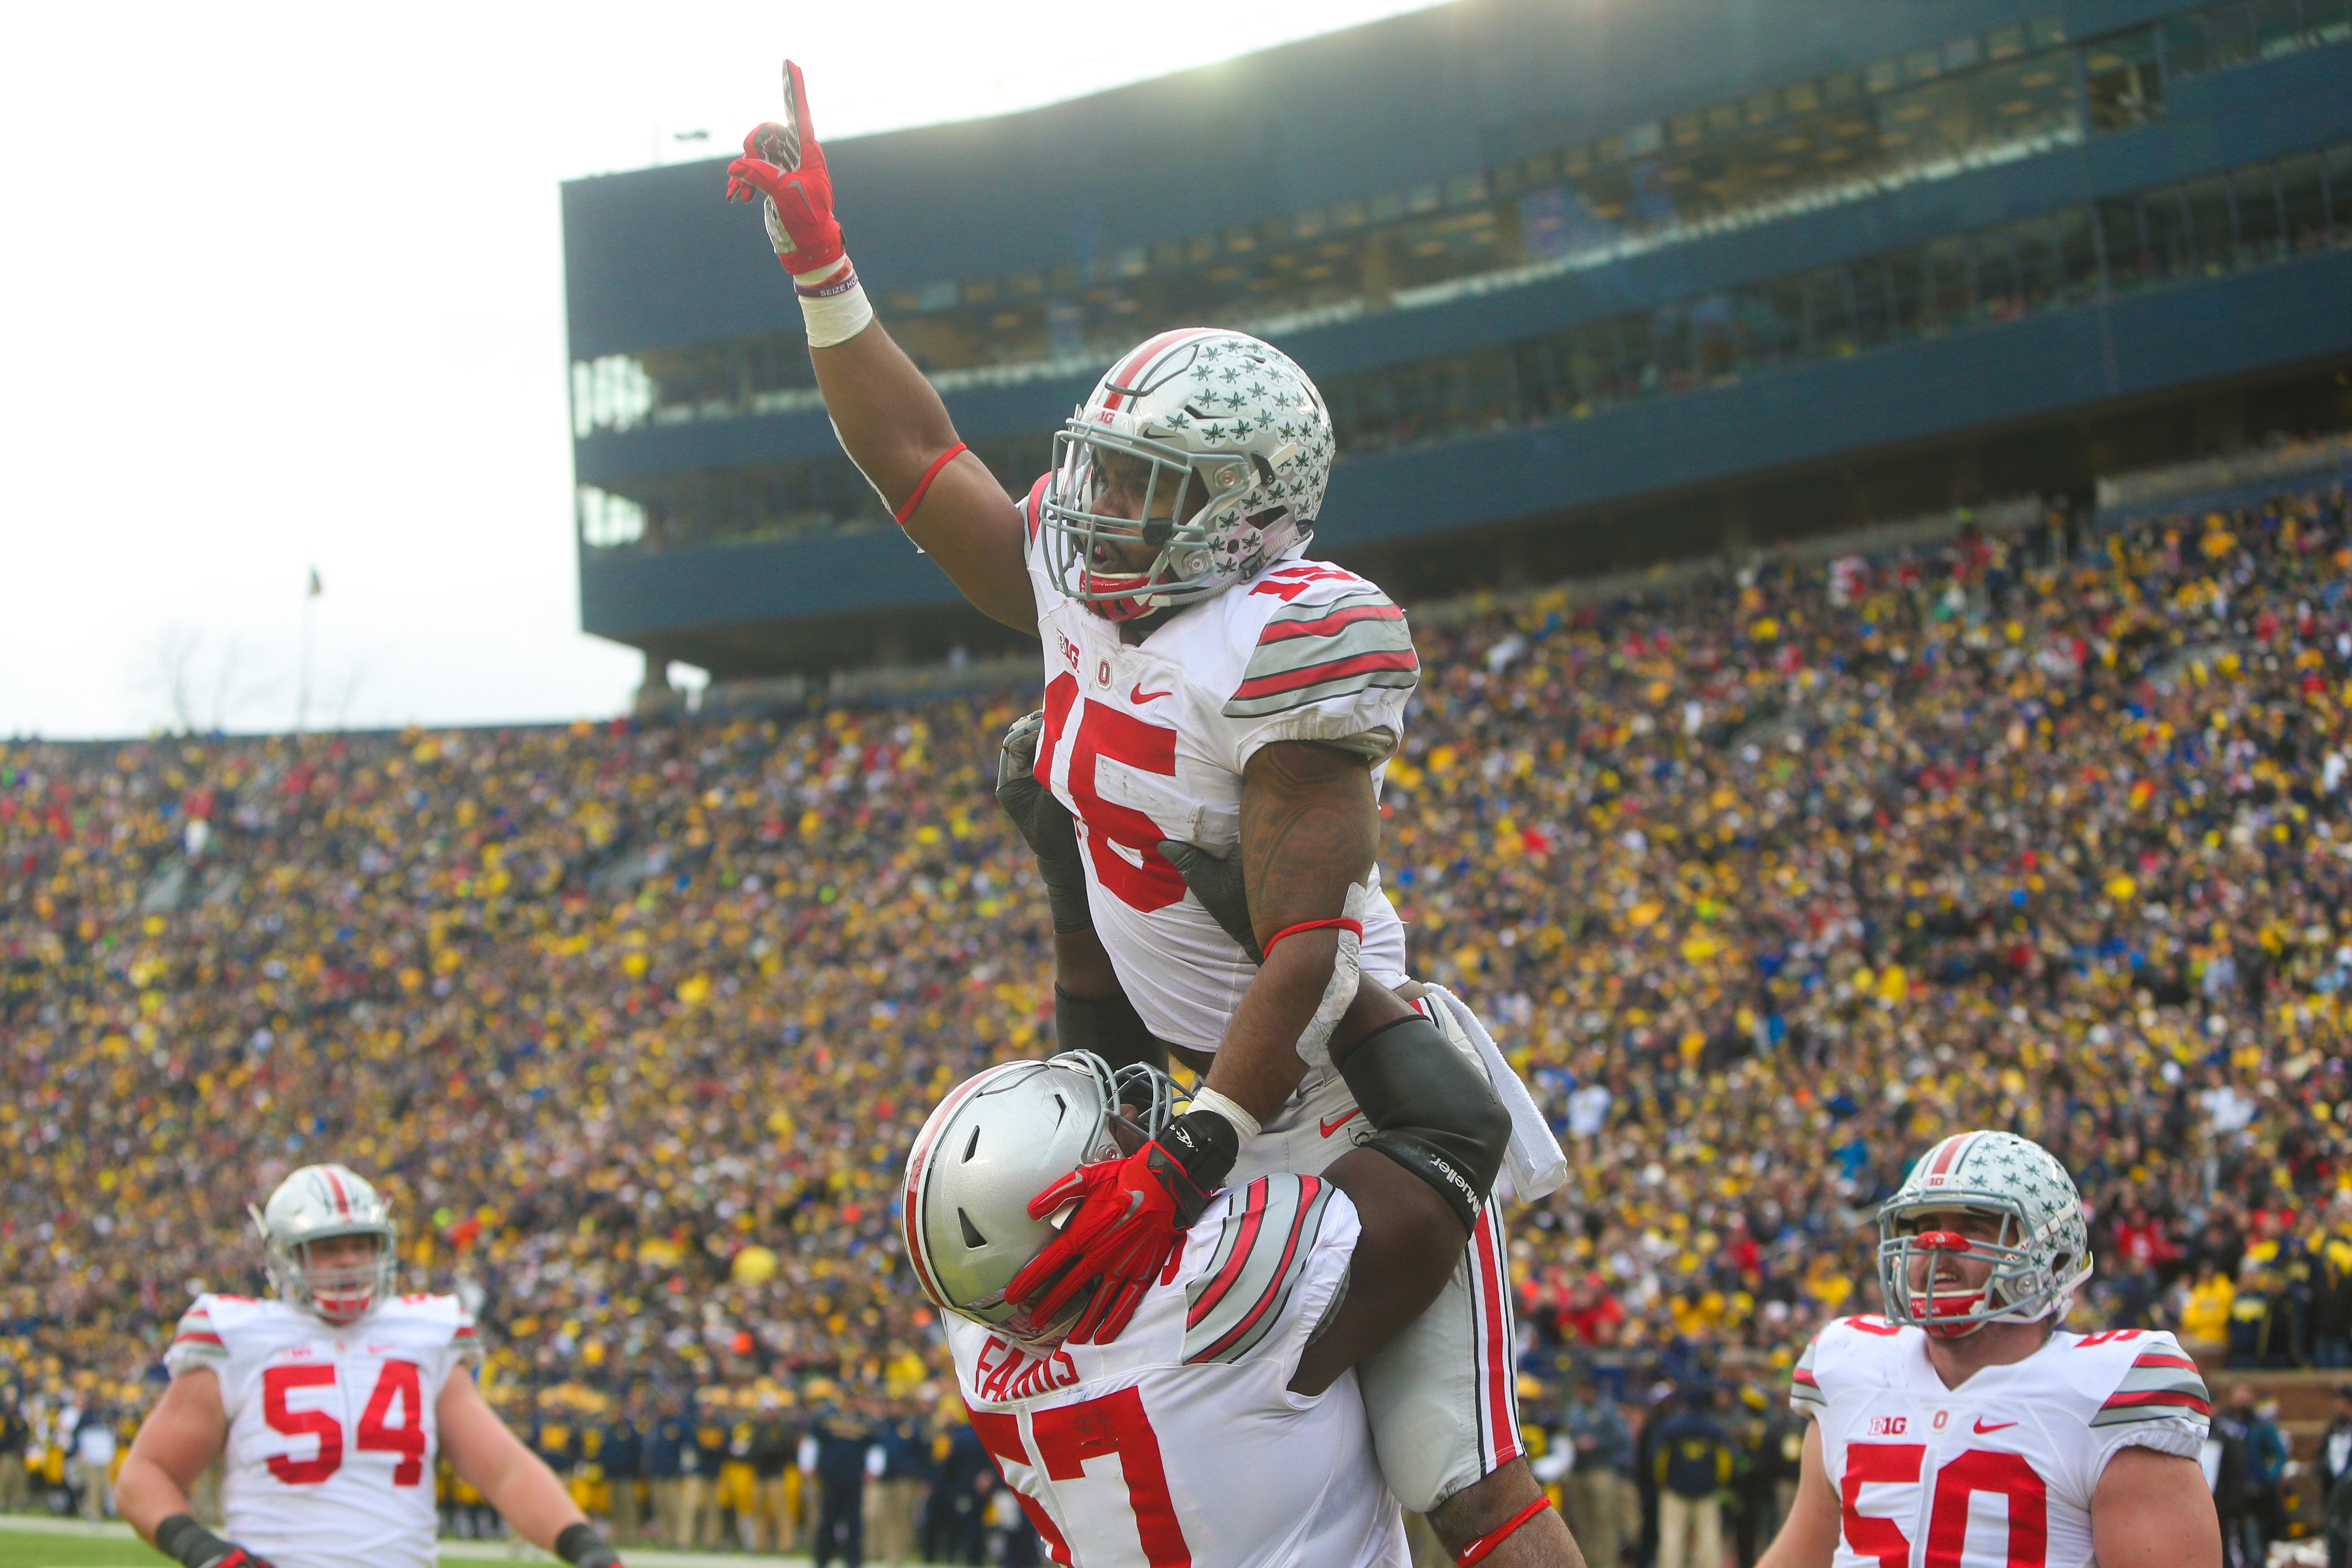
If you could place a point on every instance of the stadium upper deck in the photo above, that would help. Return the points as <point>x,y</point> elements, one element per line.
<point>1583,283</point>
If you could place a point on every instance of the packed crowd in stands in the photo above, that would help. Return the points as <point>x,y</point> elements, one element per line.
<point>1766,884</point>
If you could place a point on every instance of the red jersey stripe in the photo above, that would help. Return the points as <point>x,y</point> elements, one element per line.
<point>2159,1396</point>
<point>1284,631</point>
<point>1332,669</point>
<point>1252,1218</point>
<point>1308,1187</point>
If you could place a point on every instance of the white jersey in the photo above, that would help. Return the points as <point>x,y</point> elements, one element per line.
<point>1180,1446</point>
<point>1998,1472</point>
<point>1147,743</point>
<point>332,1429</point>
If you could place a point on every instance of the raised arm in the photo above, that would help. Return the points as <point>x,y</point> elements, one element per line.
<point>890,418</point>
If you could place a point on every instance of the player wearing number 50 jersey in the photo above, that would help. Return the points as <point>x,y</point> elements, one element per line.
<point>1965,1429</point>
<point>327,1405</point>
<point>1224,1429</point>
<point>1207,685</point>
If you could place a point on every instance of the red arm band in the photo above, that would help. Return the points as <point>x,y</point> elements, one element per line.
<point>1471,1555</point>
<point>923,485</point>
<point>1345,924</point>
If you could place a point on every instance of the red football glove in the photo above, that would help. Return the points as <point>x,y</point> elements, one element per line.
<point>1131,1215</point>
<point>784,164</point>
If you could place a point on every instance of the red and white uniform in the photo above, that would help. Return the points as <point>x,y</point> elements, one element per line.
<point>1180,1446</point>
<point>1147,743</point>
<point>1998,1472</point>
<point>332,1429</point>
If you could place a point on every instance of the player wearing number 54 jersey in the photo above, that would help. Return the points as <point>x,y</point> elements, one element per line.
<point>326,1406</point>
<point>1965,1429</point>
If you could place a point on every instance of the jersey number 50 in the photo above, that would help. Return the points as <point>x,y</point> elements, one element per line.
<point>1961,1478</point>
<point>398,1380</point>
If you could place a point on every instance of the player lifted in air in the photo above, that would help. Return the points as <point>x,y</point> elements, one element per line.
<point>1207,685</point>
<point>1965,1429</point>
<point>327,1405</point>
<point>1224,1419</point>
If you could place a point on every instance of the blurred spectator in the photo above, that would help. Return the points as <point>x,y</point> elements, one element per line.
<point>15,1436</point>
<point>2334,1465</point>
<point>1694,1459</point>
<point>1604,1510</point>
<point>835,1454</point>
<point>94,1448</point>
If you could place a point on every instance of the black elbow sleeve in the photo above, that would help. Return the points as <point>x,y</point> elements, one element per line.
<point>1432,1111</point>
<point>1109,1027</point>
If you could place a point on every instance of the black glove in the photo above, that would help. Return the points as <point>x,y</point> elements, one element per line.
<point>580,1545</point>
<point>179,1535</point>
<point>1217,883</point>
<point>1043,824</point>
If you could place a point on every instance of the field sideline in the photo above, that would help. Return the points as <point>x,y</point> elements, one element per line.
<point>32,1541</point>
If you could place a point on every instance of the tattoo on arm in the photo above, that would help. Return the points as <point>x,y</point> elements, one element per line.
<point>1310,826</point>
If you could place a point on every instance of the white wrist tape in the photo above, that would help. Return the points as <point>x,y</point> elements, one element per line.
<point>1347,964</point>
<point>1224,1105</point>
<point>833,304</point>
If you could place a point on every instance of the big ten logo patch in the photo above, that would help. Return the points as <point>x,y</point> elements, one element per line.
<point>1888,1425</point>
<point>1069,650</point>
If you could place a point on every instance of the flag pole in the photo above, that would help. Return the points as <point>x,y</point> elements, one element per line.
<point>302,688</point>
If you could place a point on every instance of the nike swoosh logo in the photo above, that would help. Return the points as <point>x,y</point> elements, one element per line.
<point>1997,1426</point>
<point>1139,695</point>
<point>1332,1127</point>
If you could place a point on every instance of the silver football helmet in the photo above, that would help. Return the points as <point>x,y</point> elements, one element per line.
<point>313,1204</point>
<point>1208,448</point>
<point>2041,1256</point>
<point>996,1142</point>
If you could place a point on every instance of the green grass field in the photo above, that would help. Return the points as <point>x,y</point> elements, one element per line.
<point>41,1549</point>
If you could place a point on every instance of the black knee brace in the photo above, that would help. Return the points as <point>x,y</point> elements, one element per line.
<point>1430,1109</point>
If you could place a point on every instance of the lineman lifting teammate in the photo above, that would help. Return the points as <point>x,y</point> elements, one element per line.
<point>1228,1401</point>
<point>1213,699</point>
<point>1965,1429</point>
<point>329,1403</point>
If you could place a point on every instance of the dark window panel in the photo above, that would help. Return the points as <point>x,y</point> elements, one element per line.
<point>2261,234</point>
<point>2186,53</point>
<point>2210,239</point>
<point>2340,191</point>
<point>2229,30</point>
<point>1951,284</point>
<point>2278,28</point>
<point>2165,232</point>
<point>2302,198</point>
<point>2078,255</point>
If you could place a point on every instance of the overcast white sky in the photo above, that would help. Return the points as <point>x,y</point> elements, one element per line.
<point>286,291</point>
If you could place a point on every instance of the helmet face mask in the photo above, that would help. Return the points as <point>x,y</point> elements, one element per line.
<point>996,1142</point>
<point>1987,1228</point>
<point>1207,449</point>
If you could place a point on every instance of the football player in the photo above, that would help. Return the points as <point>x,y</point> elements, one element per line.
<point>327,1405</point>
<point>1965,1429</point>
<point>1228,1402</point>
<point>1207,685</point>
